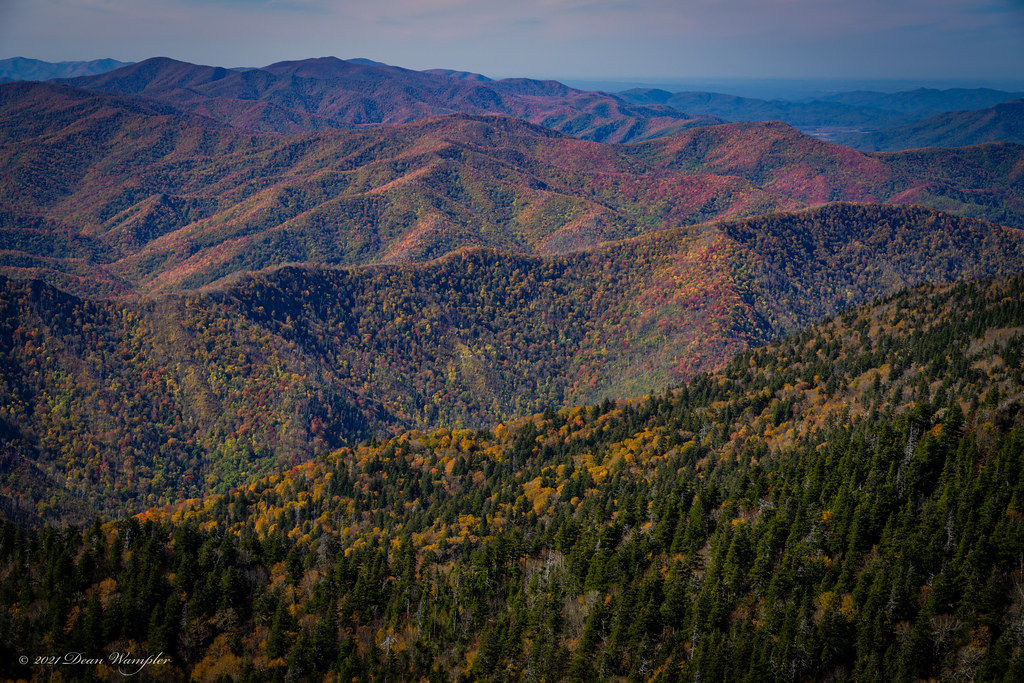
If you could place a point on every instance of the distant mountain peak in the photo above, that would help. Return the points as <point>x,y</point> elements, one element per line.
<point>316,67</point>
<point>341,94</point>
<point>363,61</point>
<point>459,75</point>
<point>534,87</point>
<point>1002,122</point>
<point>25,69</point>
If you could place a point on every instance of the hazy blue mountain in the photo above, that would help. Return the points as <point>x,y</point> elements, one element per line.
<point>460,75</point>
<point>23,69</point>
<point>366,62</point>
<point>1001,123</point>
<point>868,120</point>
<point>802,115</point>
<point>924,102</point>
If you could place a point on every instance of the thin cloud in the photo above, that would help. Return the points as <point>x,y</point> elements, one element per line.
<point>599,38</point>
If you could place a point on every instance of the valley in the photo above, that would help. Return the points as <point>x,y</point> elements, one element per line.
<point>334,370</point>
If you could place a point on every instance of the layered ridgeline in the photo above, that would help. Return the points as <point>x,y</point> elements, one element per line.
<point>106,195</point>
<point>111,406</point>
<point>806,115</point>
<point>982,181</point>
<point>23,69</point>
<point>870,121</point>
<point>845,505</point>
<point>325,93</point>
<point>116,194</point>
<point>1002,122</point>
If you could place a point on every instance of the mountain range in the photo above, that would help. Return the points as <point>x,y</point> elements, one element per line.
<point>923,102</point>
<point>109,406</point>
<point>329,93</point>
<point>118,194</point>
<point>318,94</point>
<point>869,121</point>
<point>22,69</point>
<point>812,115</point>
<point>843,503</point>
<point>335,370</point>
<point>1003,122</point>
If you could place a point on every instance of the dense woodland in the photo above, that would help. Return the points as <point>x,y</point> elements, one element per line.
<point>296,385</point>
<point>842,505</point>
<point>113,195</point>
<point>111,407</point>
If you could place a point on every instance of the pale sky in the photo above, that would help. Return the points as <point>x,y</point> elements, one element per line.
<point>600,39</point>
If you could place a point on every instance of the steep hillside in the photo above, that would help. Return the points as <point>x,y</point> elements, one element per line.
<point>393,375</point>
<point>104,407</point>
<point>110,406</point>
<point>1000,123</point>
<point>983,181</point>
<point>172,204</point>
<point>107,195</point>
<point>773,155</point>
<point>317,94</point>
<point>845,504</point>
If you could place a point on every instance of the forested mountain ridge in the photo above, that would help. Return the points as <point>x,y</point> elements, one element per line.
<point>383,374</point>
<point>110,406</point>
<point>112,196</point>
<point>982,181</point>
<point>330,93</point>
<point>151,203</point>
<point>923,102</point>
<point>1002,122</point>
<point>842,505</point>
<point>805,115</point>
<point>869,121</point>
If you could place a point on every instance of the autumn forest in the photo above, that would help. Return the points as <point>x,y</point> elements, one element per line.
<point>338,371</point>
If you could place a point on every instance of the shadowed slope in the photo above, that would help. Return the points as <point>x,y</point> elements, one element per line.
<point>1000,123</point>
<point>173,396</point>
